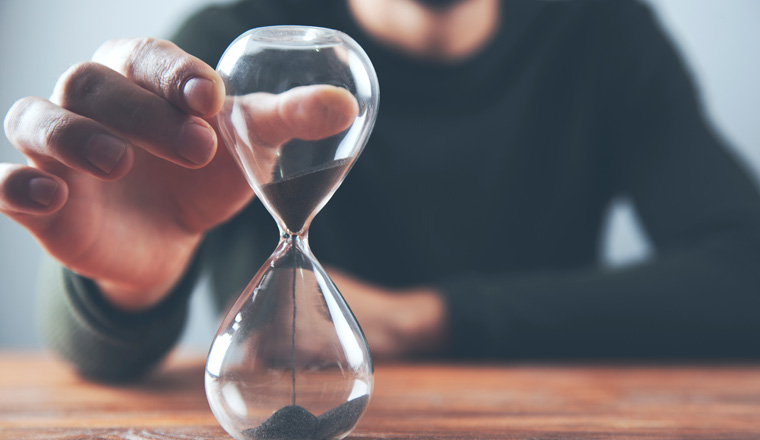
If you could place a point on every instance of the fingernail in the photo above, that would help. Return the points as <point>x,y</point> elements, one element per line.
<point>42,190</point>
<point>104,151</point>
<point>199,94</point>
<point>196,143</point>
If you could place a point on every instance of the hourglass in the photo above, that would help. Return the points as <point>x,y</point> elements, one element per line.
<point>289,360</point>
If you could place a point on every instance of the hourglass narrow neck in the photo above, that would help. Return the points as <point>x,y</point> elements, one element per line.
<point>285,232</point>
<point>300,240</point>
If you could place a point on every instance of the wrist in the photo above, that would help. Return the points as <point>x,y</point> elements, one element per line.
<point>130,298</point>
<point>144,291</point>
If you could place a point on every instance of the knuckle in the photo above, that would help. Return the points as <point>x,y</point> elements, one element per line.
<point>15,117</point>
<point>160,63</point>
<point>139,49</point>
<point>176,71</point>
<point>37,128</point>
<point>119,53</point>
<point>79,83</point>
<point>55,132</point>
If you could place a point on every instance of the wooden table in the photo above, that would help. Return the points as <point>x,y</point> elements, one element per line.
<point>41,399</point>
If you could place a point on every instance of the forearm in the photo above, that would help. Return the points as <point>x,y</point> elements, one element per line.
<point>690,303</point>
<point>100,341</point>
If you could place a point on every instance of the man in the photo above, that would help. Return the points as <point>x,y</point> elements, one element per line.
<point>469,226</point>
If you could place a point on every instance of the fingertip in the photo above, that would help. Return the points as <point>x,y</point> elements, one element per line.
<point>340,105</point>
<point>47,192</point>
<point>108,156</point>
<point>203,96</point>
<point>122,167</point>
<point>341,99</point>
<point>196,144</point>
<point>28,190</point>
<point>320,111</point>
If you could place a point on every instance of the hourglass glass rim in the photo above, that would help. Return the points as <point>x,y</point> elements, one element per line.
<point>295,36</point>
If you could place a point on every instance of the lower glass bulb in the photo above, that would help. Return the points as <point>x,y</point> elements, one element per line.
<point>290,360</point>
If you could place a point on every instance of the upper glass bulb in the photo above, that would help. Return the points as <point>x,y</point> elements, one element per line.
<point>300,100</point>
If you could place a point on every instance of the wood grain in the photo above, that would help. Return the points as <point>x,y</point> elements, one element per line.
<point>41,399</point>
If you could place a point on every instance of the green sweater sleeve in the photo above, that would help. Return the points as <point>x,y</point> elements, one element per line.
<point>100,341</point>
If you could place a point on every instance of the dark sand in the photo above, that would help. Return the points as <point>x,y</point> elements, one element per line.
<point>295,422</point>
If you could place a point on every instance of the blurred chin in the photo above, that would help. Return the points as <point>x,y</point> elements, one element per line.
<point>438,3</point>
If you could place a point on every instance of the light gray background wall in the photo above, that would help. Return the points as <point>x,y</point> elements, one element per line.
<point>39,39</point>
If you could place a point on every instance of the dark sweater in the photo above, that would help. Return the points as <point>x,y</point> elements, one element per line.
<point>490,179</point>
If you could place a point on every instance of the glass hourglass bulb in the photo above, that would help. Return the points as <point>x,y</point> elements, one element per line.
<point>289,360</point>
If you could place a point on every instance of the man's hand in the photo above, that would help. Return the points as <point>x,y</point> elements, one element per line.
<point>396,323</point>
<point>111,189</point>
<point>124,175</point>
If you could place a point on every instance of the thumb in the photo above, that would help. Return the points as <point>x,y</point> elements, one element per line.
<point>307,112</point>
